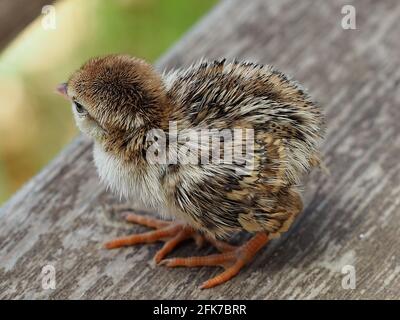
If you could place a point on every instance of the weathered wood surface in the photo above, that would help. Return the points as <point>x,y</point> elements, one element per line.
<point>351,217</point>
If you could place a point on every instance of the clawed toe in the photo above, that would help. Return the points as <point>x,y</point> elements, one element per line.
<point>172,233</point>
<point>146,221</point>
<point>147,237</point>
<point>232,258</point>
<point>171,244</point>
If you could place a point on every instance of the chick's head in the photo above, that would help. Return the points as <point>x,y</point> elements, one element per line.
<point>115,93</point>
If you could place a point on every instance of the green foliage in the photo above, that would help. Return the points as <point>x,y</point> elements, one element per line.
<point>37,122</point>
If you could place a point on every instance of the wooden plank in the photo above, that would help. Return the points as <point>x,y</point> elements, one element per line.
<point>351,218</point>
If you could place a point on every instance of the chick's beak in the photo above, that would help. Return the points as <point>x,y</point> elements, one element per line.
<point>62,90</point>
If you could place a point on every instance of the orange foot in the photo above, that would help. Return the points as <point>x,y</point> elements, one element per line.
<point>172,233</point>
<point>233,259</point>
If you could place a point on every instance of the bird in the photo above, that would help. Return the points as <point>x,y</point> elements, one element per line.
<point>142,123</point>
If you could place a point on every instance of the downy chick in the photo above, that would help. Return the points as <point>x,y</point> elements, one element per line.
<point>121,101</point>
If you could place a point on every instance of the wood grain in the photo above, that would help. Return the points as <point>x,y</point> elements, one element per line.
<point>351,217</point>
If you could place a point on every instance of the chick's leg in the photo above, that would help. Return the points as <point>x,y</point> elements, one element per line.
<point>232,259</point>
<point>172,233</point>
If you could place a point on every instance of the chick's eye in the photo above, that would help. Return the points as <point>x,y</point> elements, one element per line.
<point>79,108</point>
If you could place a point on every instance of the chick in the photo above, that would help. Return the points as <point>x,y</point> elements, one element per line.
<point>118,100</point>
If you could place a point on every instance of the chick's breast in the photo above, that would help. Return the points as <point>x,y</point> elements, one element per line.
<point>284,126</point>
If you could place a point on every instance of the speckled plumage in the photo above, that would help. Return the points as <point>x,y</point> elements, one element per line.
<point>127,98</point>
<point>288,127</point>
<point>118,100</point>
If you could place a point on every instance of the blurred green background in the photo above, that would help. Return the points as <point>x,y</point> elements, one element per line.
<point>34,122</point>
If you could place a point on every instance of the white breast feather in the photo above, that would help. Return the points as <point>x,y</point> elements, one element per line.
<point>143,190</point>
